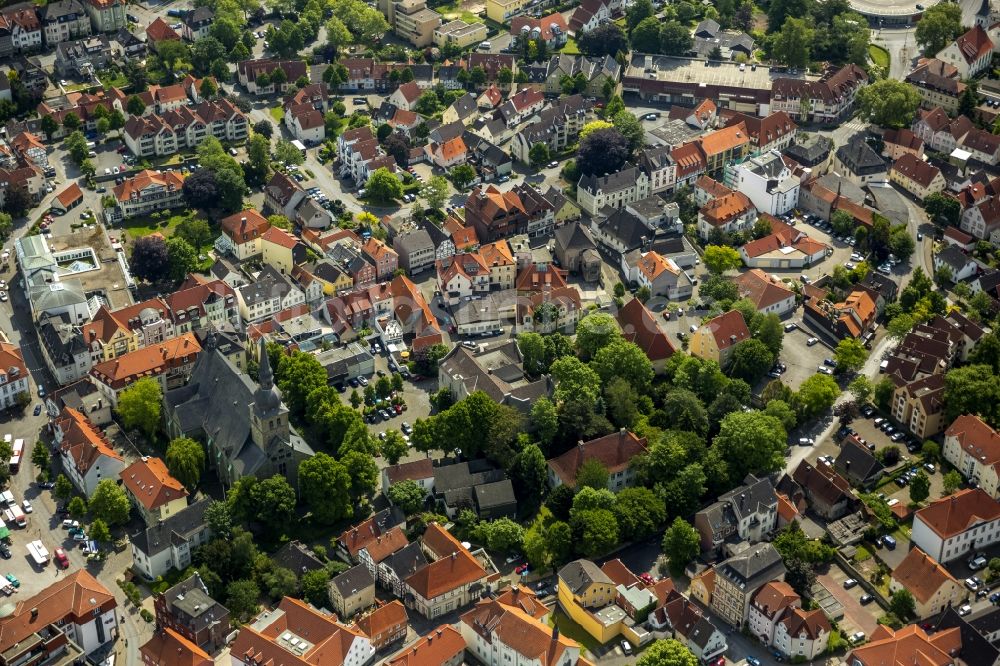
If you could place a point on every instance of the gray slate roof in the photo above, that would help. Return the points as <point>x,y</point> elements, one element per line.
<point>353,580</point>
<point>753,567</point>
<point>580,573</point>
<point>175,529</point>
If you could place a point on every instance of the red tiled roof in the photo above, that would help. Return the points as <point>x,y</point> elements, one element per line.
<point>921,575</point>
<point>439,646</point>
<point>82,441</point>
<point>151,483</point>
<point>639,327</point>
<point>614,451</point>
<point>728,329</point>
<point>168,648</point>
<point>954,514</point>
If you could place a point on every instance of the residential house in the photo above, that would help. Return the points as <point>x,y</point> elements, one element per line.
<point>241,234</point>
<point>88,456</point>
<point>963,522</point>
<point>66,354</point>
<point>731,213</point>
<point>271,293</point>
<point>354,539</point>
<point>738,578</point>
<point>497,371</point>
<point>588,595</point>
<point>352,591</point>
<point>615,190</point>
<point>960,265</point>
<point>714,340</point>
<point>283,251</point>
<point>899,142</point>
<point>769,296</point>
<point>167,646</point>
<point>249,71</point>
<point>23,28</point>
<point>969,54</point>
<point>786,247</point>
<point>405,97</point>
<point>708,36</point>
<point>159,32</point>
<point>589,14</point>
<point>444,645</point>
<point>188,609</point>
<point>494,214</point>
<point>939,131</point>
<point>385,625</point>
<point>747,513</point>
<point>152,490</point>
<point>551,29</point>
<point>169,362</point>
<point>297,628</point>
<point>68,620</point>
<point>13,375</point>
<point>916,176</point>
<point>282,195</point>
<point>197,23</point>
<point>64,20</point>
<point>577,252</point>
<point>802,634</point>
<point>768,606</point>
<point>859,163</point>
<point>932,587</point>
<point>723,146</point>
<point>421,472</point>
<point>856,464</point>
<point>639,326</point>
<point>106,15</point>
<point>828,493</point>
<point>775,131</point>
<point>938,83</point>
<point>146,192</point>
<point>171,543</point>
<point>199,304</point>
<point>689,626</point>
<point>661,276</point>
<point>455,578</point>
<point>614,451</point>
<point>935,648</point>
<point>415,250</point>
<point>498,634</point>
<point>557,127</point>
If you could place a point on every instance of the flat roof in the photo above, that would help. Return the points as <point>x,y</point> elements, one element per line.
<point>108,278</point>
<point>699,71</point>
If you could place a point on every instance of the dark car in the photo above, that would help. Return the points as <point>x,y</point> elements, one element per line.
<point>866,599</point>
<point>4,551</point>
<point>37,410</point>
<point>867,411</point>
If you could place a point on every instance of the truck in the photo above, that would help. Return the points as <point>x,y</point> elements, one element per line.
<point>14,514</point>
<point>37,551</point>
<point>7,498</point>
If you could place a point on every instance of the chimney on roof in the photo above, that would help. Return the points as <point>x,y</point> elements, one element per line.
<point>34,613</point>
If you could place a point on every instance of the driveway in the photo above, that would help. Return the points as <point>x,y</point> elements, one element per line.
<point>854,613</point>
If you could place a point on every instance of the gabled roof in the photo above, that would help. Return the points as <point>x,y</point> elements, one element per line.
<point>758,286</point>
<point>168,648</point>
<point>383,618</point>
<point>447,573</point>
<point>639,327</point>
<point>147,361</point>
<point>439,646</point>
<point>244,226</point>
<point>773,598</point>
<point>82,441</point>
<point>909,645</point>
<point>150,482</point>
<point>917,170</point>
<point>921,575</point>
<point>974,44</point>
<point>956,513</point>
<point>160,31</point>
<point>518,631</point>
<point>614,451</point>
<point>728,329</point>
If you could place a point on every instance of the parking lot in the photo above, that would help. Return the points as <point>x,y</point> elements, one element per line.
<point>857,616</point>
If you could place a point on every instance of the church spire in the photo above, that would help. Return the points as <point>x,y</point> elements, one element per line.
<point>264,374</point>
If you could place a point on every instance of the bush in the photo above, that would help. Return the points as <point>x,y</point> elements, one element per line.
<point>146,615</point>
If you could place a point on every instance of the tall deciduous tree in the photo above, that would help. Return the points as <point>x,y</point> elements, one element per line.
<point>186,461</point>
<point>888,102</point>
<point>109,503</point>
<point>603,151</point>
<point>938,26</point>
<point>681,544</point>
<point>325,485</point>
<point>139,406</point>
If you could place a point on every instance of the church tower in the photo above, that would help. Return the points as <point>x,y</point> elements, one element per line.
<point>269,416</point>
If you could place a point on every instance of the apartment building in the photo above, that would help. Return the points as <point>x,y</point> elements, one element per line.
<point>938,84</point>
<point>184,128</point>
<point>146,192</point>
<point>411,20</point>
<point>169,362</point>
<point>827,100</point>
<point>932,587</point>
<point>459,33</point>
<point>241,234</point>
<point>107,15</point>
<point>258,76</point>
<point>455,578</point>
<point>556,127</point>
<point>188,609</point>
<point>916,176</point>
<point>64,20</point>
<point>956,525</point>
<point>749,512</point>
<point>153,491</point>
<point>614,451</point>
<point>616,190</point>
<point>919,407</point>
<point>88,456</point>
<point>768,181</point>
<point>738,579</point>
<point>973,448</point>
<point>13,375</point>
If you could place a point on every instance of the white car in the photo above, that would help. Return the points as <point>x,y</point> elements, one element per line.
<point>965,609</point>
<point>114,170</point>
<point>3,296</point>
<point>811,341</point>
<point>26,505</point>
<point>825,370</point>
<point>971,584</point>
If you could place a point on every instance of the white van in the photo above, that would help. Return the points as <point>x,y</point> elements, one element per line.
<point>485,46</point>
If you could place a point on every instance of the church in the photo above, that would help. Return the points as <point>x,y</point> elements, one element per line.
<point>244,426</point>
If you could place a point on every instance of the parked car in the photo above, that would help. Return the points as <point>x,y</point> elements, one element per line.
<point>811,341</point>
<point>627,647</point>
<point>849,583</point>
<point>964,609</point>
<point>13,580</point>
<point>971,584</point>
<point>857,637</point>
<point>866,599</point>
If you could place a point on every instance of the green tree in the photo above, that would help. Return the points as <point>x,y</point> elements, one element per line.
<point>640,513</point>
<point>325,485</point>
<point>620,358</point>
<point>529,476</point>
<point>681,544</point>
<point>751,442</point>
<point>545,420</point>
<point>393,447</point>
<point>109,503</point>
<point>77,508</point>
<point>793,44</point>
<point>285,152</point>
<point>183,258</point>
<point>502,535</point>
<point>435,192</point>
<point>40,456</point>
<point>462,176</point>
<point>901,604</point>
<point>49,126</point>
<point>362,471</point>
<point>194,230</point>
<point>592,474</point>
<point>750,360</point>
<point>299,375</point>
<point>883,391</point>
<point>314,587</point>
<point>645,36</point>
<point>850,355</point>
<point>186,461</point>
<point>938,26</point>
<point>273,499</point>
<point>71,122</point>
<point>280,582</point>
<point>888,102</point>
<point>407,495</point>
<point>139,406</point>
<point>595,331</point>
<point>99,531</point>
<point>816,395</point>
<point>595,531</point>
<point>242,599</point>
<point>63,488</point>
<point>337,34</point>
<point>942,209</point>
<point>383,186</point>
<point>920,487</point>
<point>667,652</point>
<point>721,258</point>
<point>539,155</point>
<point>952,481</point>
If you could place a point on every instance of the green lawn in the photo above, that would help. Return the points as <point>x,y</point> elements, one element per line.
<point>571,48</point>
<point>879,56</point>
<point>109,79</point>
<point>277,113</point>
<point>570,629</point>
<point>453,11</point>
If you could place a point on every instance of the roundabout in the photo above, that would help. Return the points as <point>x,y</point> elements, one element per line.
<point>891,13</point>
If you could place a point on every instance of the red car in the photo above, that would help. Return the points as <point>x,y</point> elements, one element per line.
<point>646,578</point>
<point>398,408</point>
<point>521,568</point>
<point>59,555</point>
